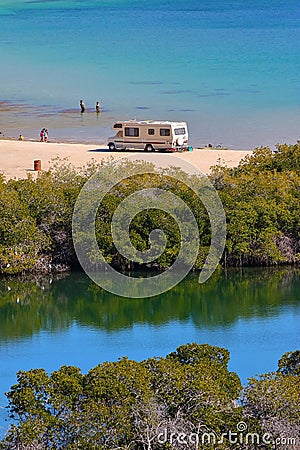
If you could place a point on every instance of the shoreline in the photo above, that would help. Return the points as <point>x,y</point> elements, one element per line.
<point>17,157</point>
<point>69,125</point>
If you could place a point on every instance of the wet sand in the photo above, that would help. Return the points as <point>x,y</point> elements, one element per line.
<point>17,157</point>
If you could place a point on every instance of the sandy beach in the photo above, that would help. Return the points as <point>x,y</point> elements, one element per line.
<point>17,157</point>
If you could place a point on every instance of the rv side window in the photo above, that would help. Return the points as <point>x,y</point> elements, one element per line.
<point>117,125</point>
<point>151,131</point>
<point>130,131</point>
<point>164,131</point>
<point>179,131</point>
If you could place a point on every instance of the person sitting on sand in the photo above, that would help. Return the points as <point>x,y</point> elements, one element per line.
<point>21,137</point>
<point>82,106</point>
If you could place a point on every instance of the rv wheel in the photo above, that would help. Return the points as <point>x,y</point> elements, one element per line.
<point>111,146</point>
<point>149,148</point>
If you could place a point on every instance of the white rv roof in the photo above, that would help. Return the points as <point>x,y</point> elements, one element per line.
<point>150,122</point>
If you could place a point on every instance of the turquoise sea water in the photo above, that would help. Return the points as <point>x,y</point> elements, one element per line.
<point>230,68</point>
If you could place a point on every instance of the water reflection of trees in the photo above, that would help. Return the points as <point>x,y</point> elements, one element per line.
<point>29,305</point>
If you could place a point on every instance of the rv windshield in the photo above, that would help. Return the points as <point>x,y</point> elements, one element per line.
<point>179,131</point>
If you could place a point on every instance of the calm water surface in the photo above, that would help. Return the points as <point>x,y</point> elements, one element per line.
<point>69,320</point>
<point>230,68</point>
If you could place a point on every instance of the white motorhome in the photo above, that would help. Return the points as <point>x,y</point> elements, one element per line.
<point>149,135</point>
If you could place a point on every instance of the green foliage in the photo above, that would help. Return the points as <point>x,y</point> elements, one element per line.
<point>286,158</point>
<point>128,404</point>
<point>193,354</point>
<point>36,225</point>
<point>272,406</point>
<point>260,199</point>
<point>124,404</point>
<point>20,239</point>
<point>271,403</point>
<point>289,363</point>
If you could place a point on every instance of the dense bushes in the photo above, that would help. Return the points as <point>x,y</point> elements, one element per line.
<point>260,198</point>
<point>271,402</point>
<point>187,400</point>
<point>261,201</point>
<point>125,404</point>
<point>35,230</point>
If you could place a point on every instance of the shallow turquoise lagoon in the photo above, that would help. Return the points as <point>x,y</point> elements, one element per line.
<point>229,68</point>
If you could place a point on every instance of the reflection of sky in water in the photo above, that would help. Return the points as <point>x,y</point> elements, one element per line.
<point>255,316</point>
<point>255,345</point>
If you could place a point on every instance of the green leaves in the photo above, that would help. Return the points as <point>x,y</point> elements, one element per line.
<point>129,404</point>
<point>125,403</point>
<point>261,201</point>
<point>272,405</point>
<point>289,363</point>
<point>271,402</point>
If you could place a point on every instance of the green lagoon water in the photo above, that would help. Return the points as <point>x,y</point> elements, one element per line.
<point>69,320</point>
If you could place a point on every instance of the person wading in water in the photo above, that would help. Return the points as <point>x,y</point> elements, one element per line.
<point>82,106</point>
